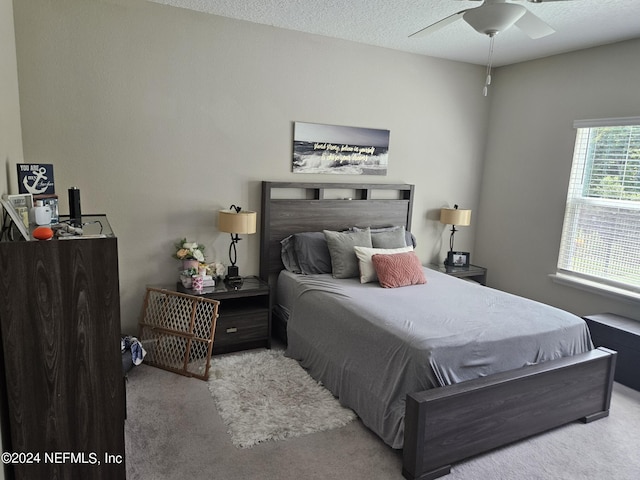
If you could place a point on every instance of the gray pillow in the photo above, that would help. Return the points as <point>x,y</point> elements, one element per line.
<point>392,238</point>
<point>344,263</point>
<point>410,239</point>
<point>288,255</point>
<point>393,241</point>
<point>312,252</point>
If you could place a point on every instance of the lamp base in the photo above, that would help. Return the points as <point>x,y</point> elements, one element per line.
<point>233,277</point>
<point>234,282</point>
<point>233,271</point>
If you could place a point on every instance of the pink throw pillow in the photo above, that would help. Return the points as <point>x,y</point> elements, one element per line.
<point>398,269</point>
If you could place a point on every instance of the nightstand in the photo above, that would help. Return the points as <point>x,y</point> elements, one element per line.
<point>472,272</point>
<point>244,316</point>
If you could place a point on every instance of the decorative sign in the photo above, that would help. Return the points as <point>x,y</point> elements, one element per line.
<point>343,150</point>
<point>36,179</point>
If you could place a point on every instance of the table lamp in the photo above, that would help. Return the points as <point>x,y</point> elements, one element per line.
<point>454,216</point>
<point>235,221</point>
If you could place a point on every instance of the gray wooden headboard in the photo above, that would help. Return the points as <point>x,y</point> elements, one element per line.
<point>291,207</point>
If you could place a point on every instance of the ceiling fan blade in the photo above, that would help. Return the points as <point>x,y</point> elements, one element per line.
<point>534,26</point>
<point>438,25</point>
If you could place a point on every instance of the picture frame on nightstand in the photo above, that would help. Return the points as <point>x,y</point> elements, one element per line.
<point>458,259</point>
<point>17,207</point>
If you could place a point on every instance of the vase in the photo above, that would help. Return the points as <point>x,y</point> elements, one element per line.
<point>197,282</point>
<point>189,264</point>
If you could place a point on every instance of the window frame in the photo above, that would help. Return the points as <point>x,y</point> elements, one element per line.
<point>566,276</point>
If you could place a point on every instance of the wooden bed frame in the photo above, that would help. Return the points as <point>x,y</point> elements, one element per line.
<point>447,424</point>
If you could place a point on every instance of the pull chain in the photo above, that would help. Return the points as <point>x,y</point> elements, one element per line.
<point>485,90</point>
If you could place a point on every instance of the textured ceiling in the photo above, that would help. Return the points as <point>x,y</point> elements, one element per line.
<point>388,23</point>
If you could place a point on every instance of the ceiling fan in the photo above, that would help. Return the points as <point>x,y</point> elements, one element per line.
<point>494,16</point>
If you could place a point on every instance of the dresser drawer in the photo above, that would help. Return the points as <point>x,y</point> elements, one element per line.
<point>235,329</point>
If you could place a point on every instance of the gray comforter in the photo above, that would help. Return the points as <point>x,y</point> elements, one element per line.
<point>371,346</point>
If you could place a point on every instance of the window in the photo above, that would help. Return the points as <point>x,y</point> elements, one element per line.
<point>601,233</point>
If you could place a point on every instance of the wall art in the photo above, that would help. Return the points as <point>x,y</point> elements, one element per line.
<point>334,149</point>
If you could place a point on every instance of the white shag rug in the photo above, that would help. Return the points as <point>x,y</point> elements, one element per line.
<point>264,396</point>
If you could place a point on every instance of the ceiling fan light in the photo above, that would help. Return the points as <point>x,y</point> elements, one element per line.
<point>490,19</point>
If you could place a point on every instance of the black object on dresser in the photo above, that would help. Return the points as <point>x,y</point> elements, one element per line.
<point>621,334</point>
<point>244,317</point>
<point>62,369</point>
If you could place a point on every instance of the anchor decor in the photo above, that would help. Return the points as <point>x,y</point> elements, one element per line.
<point>36,179</point>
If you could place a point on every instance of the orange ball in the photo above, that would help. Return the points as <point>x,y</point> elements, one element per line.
<point>42,233</point>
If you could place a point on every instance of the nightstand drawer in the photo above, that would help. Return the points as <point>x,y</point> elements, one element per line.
<point>234,329</point>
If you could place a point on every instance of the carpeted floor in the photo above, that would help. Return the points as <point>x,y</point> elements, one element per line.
<point>173,431</point>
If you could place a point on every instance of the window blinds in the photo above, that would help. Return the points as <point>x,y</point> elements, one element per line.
<point>601,231</point>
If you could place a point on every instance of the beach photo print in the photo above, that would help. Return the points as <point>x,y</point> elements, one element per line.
<point>337,149</point>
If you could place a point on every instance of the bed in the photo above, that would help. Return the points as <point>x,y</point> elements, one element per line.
<point>428,388</point>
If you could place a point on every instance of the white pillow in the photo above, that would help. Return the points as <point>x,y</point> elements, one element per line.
<point>364,254</point>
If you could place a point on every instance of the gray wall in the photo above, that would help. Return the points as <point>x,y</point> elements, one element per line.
<point>528,162</point>
<point>161,116</point>
<point>10,134</point>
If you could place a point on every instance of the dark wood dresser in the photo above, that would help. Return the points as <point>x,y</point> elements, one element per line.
<point>62,383</point>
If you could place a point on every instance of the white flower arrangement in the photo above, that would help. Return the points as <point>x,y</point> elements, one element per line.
<point>189,251</point>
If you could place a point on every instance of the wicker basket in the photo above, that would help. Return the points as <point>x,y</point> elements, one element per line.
<point>177,331</point>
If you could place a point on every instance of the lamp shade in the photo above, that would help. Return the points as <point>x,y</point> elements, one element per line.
<point>231,222</point>
<point>453,216</point>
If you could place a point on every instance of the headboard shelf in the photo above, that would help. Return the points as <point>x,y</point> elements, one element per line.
<point>290,207</point>
<point>318,191</point>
